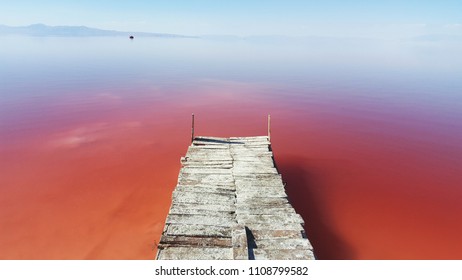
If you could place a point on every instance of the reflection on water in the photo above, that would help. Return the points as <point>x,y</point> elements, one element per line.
<point>367,137</point>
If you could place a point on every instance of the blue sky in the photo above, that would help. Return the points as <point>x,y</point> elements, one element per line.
<point>358,18</point>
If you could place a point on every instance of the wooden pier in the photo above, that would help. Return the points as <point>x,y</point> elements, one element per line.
<point>230,203</point>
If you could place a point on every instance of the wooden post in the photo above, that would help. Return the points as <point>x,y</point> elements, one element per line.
<point>269,128</point>
<point>192,129</point>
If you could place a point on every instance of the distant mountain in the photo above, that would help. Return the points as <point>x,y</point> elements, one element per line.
<point>42,30</point>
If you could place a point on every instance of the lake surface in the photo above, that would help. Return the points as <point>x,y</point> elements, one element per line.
<point>367,135</point>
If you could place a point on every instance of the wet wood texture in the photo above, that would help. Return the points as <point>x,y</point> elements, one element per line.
<point>230,203</point>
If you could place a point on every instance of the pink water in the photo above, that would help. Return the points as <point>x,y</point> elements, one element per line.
<point>90,149</point>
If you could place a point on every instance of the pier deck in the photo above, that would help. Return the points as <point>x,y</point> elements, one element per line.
<point>230,203</point>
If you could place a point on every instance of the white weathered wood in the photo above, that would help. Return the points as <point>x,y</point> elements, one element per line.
<point>266,210</point>
<point>194,241</point>
<point>203,198</point>
<point>195,253</point>
<point>244,184</point>
<point>283,254</point>
<point>277,234</point>
<point>259,193</point>
<point>229,194</point>
<point>265,164</point>
<point>189,170</point>
<point>204,188</point>
<point>212,206</point>
<point>201,220</point>
<point>211,165</point>
<point>271,218</point>
<point>205,147</point>
<point>197,230</point>
<point>284,243</point>
<point>262,201</point>
<point>253,170</point>
<point>275,226</point>
<point>206,178</point>
<point>196,211</point>
<point>239,243</point>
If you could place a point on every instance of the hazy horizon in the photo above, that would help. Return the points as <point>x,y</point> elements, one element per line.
<point>383,20</point>
<point>41,29</point>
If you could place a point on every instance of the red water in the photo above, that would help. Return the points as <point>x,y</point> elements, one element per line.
<point>93,180</point>
<point>367,136</point>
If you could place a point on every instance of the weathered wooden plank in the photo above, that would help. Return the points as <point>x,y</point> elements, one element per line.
<point>215,151</point>
<point>211,161</point>
<point>262,201</point>
<point>204,188</point>
<point>261,162</point>
<point>257,179</point>
<point>266,210</point>
<point>283,254</point>
<point>247,155</point>
<point>195,253</point>
<point>257,142</point>
<point>253,143</point>
<point>206,147</point>
<point>277,234</point>
<point>212,206</point>
<point>209,165</point>
<point>253,170</point>
<point>209,157</point>
<point>249,138</point>
<point>239,242</point>
<point>190,181</point>
<point>190,199</point>
<point>208,152</point>
<point>264,163</point>
<point>201,220</point>
<point>194,160</point>
<point>188,241</point>
<point>218,186</point>
<point>180,196</point>
<point>209,190</point>
<point>210,141</point>
<point>263,218</point>
<point>252,184</point>
<point>274,226</point>
<point>207,179</point>
<point>249,148</point>
<point>283,243</point>
<point>260,191</point>
<point>196,211</point>
<point>206,170</point>
<point>196,230</point>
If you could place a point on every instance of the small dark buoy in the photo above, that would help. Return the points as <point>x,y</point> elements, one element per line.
<point>131,37</point>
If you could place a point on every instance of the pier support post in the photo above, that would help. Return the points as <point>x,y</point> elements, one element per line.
<point>269,127</point>
<point>192,129</point>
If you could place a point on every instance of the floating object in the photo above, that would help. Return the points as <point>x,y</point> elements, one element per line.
<point>132,37</point>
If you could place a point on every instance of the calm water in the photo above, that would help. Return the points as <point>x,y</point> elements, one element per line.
<point>367,135</point>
